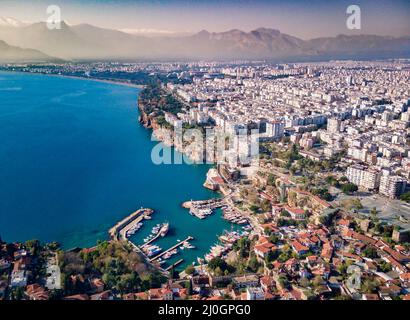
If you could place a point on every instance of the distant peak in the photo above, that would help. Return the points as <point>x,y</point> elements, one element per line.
<point>11,22</point>
<point>235,30</point>
<point>267,30</point>
<point>203,32</point>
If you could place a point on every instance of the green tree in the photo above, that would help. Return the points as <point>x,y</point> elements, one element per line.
<point>156,279</point>
<point>190,269</point>
<point>384,266</point>
<point>17,293</point>
<point>283,281</point>
<point>369,286</point>
<point>218,271</point>
<point>271,180</point>
<point>253,264</point>
<point>273,238</point>
<point>217,262</point>
<point>405,196</point>
<point>266,206</point>
<point>188,286</point>
<point>370,252</point>
<point>349,188</point>
<point>304,282</point>
<point>317,281</point>
<point>373,212</point>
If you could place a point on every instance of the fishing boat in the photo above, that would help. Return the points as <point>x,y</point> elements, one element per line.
<point>187,245</point>
<point>164,229</point>
<point>133,229</point>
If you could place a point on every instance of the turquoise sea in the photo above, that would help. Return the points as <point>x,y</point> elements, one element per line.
<point>74,160</point>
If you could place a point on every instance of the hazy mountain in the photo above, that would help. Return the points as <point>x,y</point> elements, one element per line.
<point>11,22</point>
<point>74,42</point>
<point>62,43</point>
<point>362,45</point>
<point>259,43</point>
<point>89,42</point>
<point>16,54</point>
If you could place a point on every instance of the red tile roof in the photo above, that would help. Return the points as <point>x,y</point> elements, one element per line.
<point>297,246</point>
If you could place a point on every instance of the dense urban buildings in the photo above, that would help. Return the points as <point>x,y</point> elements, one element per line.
<point>327,195</point>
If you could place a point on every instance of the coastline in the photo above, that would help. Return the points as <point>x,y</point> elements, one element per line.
<point>138,86</point>
<point>182,196</point>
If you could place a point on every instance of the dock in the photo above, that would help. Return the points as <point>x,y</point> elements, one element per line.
<point>172,248</point>
<point>174,264</point>
<point>118,232</point>
<point>203,208</point>
<point>152,240</point>
<point>211,203</point>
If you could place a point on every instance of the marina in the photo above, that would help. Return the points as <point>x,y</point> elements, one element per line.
<point>171,251</point>
<point>227,239</point>
<point>203,208</point>
<point>130,224</point>
<point>233,216</point>
<point>160,230</point>
<point>151,250</point>
<point>233,236</point>
<point>218,250</point>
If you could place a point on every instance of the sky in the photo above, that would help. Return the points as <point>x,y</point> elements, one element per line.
<point>304,19</point>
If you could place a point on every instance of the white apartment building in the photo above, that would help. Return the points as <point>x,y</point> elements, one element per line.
<point>367,178</point>
<point>392,186</point>
<point>275,129</point>
<point>255,293</point>
<point>357,153</point>
<point>333,125</point>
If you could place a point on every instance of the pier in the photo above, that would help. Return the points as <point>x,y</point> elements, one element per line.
<point>174,264</point>
<point>172,248</point>
<point>153,239</point>
<point>118,232</point>
<point>211,203</point>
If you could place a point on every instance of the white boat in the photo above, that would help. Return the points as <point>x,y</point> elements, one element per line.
<point>164,229</point>
<point>209,257</point>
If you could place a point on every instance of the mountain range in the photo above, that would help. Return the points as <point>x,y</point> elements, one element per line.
<point>15,54</point>
<point>84,41</point>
